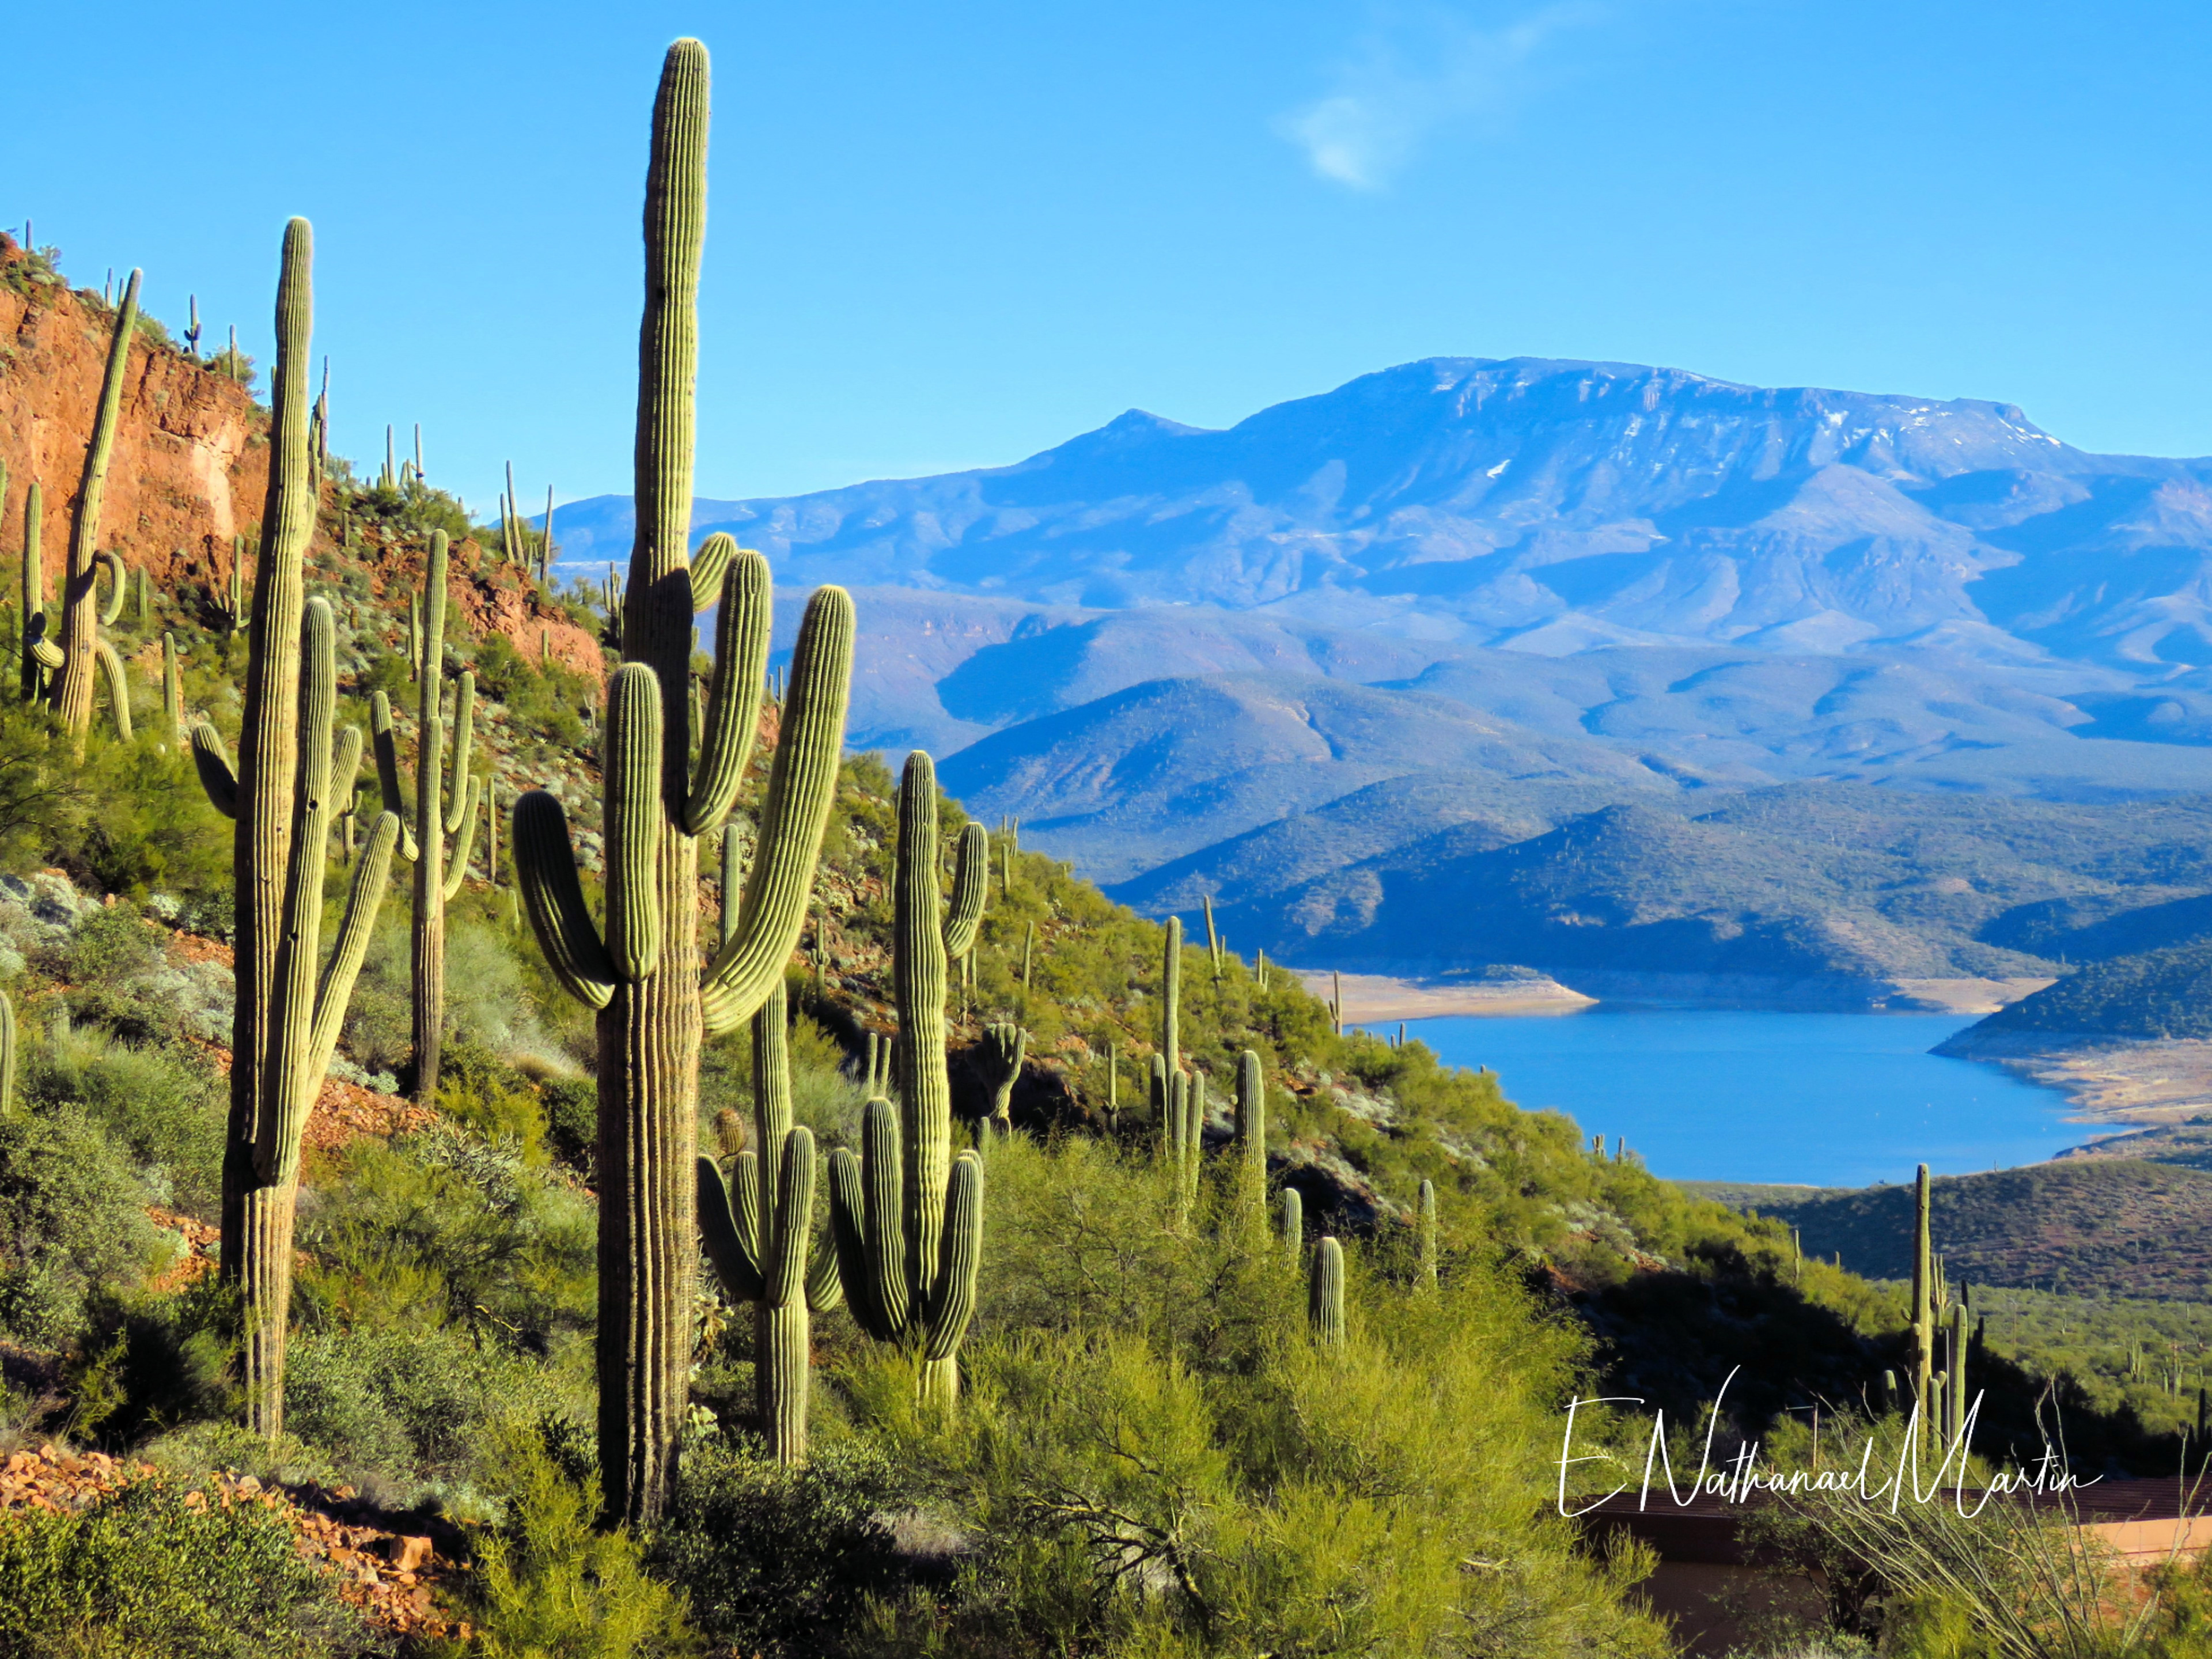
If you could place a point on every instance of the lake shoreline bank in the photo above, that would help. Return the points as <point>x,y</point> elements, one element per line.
<point>2151,1098</point>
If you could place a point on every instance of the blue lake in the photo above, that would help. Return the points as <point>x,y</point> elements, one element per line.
<point>1833,1100</point>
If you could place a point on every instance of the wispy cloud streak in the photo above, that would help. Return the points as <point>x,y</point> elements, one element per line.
<point>1408,81</point>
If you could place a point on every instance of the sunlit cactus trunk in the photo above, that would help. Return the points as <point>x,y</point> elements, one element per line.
<point>644,976</point>
<point>1325,1292</point>
<point>289,1004</point>
<point>1923,1311</point>
<point>85,655</point>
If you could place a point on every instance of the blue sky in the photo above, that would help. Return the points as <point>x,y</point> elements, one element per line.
<point>952,235</point>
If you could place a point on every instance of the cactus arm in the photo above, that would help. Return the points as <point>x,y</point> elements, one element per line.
<point>728,1247</point>
<point>465,841</point>
<point>633,819</point>
<point>372,874</point>
<point>119,688</point>
<point>118,580</point>
<point>459,802</point>
<point>212,762</point>
<point>387,769</point>
<point>801,788</point>
<point>783,1248</point>
<point>882,1193</point>
<point>710,568</point>
<point>345,768</point>
<point>44,654</point>
<point>953,1302</point>
<point>825,1284</point>
<point>971,886</point>
<point>733,697</point>
<point>546,868</point>
<point>848,1234</point>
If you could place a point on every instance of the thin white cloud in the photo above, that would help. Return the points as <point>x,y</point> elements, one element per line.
<point>1410,79</point>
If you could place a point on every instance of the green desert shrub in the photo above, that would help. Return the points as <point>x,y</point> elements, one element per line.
<point>775,1560</point>
<point>140,1572</point>
<point>72,1222</point>
<point>161,1103</point>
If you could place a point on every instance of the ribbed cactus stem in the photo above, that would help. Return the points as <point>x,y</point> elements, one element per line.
<point>7,1055</point>
<point>1171,995</point>
<point>1294,1224</point>
<point>1029,951</point>
<point>1923,1289</point>
<point>80,628</point>
<point>32,672</point>
<point>1325,1293</point>
<point>1005,1048</point>
<point>1213,938</point>
<point>1426,1235</point>
<point>1252,1134</point>
<point>288,1013</point>
<point>1955,1419</point>
<point>172,692</point>
<point>907,1216</point>
<point>440,808</point>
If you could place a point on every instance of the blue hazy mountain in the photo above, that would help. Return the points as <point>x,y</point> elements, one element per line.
<point>1546,578</point>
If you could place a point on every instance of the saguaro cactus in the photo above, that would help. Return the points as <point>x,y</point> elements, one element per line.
<point>1171,995</point>
<point>41,656</point>
<point>1426,1235</point>
<point>1252,1134</point>
<point>907,1215</point>
<point>1325,1292</point>
<point>1954,1418</point>
<point>1923,1289</point>
<point>1005,1048</point>
<point>84,653</point>
<point>287,1020</point>
<point>441,808</point>
<point>173,691</point>
<point>760,1248</point>
<point>1294,1224</point>
<point>644,977</point>
<point>7,1054</point>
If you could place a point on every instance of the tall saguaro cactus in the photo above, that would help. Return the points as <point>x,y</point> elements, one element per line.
<point>1252,1134</point>
<point>1924,1292</point>
<point>41,656</point>
<point>644,976</point>
<point>441,808</point>
<point>907,1215</point>
<point>84,653</point>
<point>760,1246</point>
<point>287,1019</point>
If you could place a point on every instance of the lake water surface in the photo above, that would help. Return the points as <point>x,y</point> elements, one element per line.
<point>1834,1100</point>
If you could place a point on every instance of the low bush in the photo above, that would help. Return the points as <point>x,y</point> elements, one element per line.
<point>143,1570</point>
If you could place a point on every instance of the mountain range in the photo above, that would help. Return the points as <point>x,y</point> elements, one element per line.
<point>1463,603</point>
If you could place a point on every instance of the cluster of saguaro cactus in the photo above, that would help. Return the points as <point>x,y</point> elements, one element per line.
<point>290,1002</point>
<point>761,1245</point>
<point>442,808</point>
<point>907,1214</point>
<point>643,974</point>
<point>1005,1048</point>
<point>85,655</point>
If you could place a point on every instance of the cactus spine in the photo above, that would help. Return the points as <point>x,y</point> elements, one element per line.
<point>1325,1292</point>
<point>907,1214</point>
<point>286,1022</point>
<point>760,1245</point>
<point>643,976</point>
<point>84,653</point>
<point>1923,1286</point>
<point>1425,1242</point>
<point>441,808</point>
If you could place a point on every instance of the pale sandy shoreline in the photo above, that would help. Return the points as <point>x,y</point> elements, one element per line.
<point>2145,1098</point>
<point>1373,999</point>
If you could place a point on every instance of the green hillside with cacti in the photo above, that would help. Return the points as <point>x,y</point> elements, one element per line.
<point>676,1187</point>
